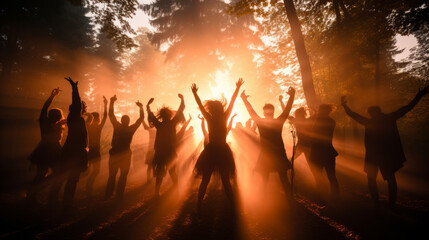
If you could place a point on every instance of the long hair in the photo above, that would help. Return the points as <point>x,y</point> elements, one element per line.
<point>165,113</point>
<point>216,106</point>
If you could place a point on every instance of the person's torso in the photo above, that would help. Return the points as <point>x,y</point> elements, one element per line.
<point>165,136</point>
<point>217,130</point>
<point>122,137</point>
<point>270,132</point>
<point>94,133</point>
<point>77,133</point>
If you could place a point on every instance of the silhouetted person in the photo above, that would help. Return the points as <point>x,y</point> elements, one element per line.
<point>120,153</point>
<point>217,155</point>
<point>165,141</point>
<point>94,127</point>
<point>74,152</point>
<point>48,151</point>
<point>272,157</point>
<point>323,153</point>
<point>250,127</point>
<point>303,127</point>
<point>150,152</point>
<point>383,147</point>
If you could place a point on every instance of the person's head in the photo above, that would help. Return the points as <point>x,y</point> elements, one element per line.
<point>374,111</point>
<point>214,107</point>
<point>151,124</point>
<point>325,109</point>
<point>55,115</point>
<point>238,125</point>
<point>95,117</point>
<point>268,110</point>
<point>300,113</point>
<point>165,114</point>
<point>125,120</point>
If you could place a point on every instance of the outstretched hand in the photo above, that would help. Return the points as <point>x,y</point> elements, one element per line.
<point>233,116</point>
<point>239,82</point>
<point>343,100</point>
<point>281,98</point>
<point>190,117</point>
<point>194,88</point>
<point>55,92</point>
<point>104,100</point>
<point>291,91</point>
<point>71,81</point>
<point>113,99</point>
<point>423,91</point>
<point>150,101</point>
<point>244,96</point>
<point>139,104</point>
<point>180,96</point>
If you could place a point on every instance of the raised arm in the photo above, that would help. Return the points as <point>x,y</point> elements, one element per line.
<point>194,89</point>
<point>112,116</point>
<point>403,110</point>
<point>180,110</point>
<point>103,121</point>
<point>150,116</point>
<point>203,126</point>
<point>355,116</point>
<point>234,96</point>
<point>145,125</point>
<point>76,106</point>
<point>249,107</point>
<point>283,116</point>
<point>182,130</point>
<point>282,104</point>
<point>231,122</point>
<point>44,113</point>
<point>140,119</point>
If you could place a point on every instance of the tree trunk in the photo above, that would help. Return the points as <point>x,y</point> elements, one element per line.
<point>301,53</point>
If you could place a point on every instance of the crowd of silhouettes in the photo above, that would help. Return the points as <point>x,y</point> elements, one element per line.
<point>82,148</point>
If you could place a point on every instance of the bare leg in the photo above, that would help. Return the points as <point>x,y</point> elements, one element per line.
<point>227,186</point>
<point>173,175</point>
<point>330,172</point>
<point>372,186</point>
<point>202,190</point>
<point>393,188</point>
<point>285,183</point>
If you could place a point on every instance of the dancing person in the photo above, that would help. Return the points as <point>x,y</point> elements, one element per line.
<point>323,153</point>
<point>303,127</point>
<point>383,147</point>
<point>74,152</point>
<point>272,157</point>
<point>150,152</point>
<point>94,128</point>
<point>217,155</point>
<point>47,153</point>
<point>165,141</point>
<point>120,153</point>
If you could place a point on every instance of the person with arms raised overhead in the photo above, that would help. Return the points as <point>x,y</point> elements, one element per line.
<point>94,132</point>
<point>217,155</point>
<point>303,127</point>
<point>272,157</point>
<point>165,141</point>
<point>383,147</point>
<point>323,153</point>
<point>47,153</point>
<point>120,153</point>
<point>74,152</point>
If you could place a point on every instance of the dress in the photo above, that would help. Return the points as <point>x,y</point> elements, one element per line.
<point>217,155</point>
